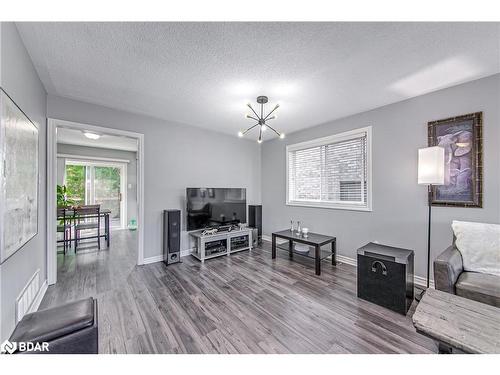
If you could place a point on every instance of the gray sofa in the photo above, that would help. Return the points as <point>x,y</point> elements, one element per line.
<point>449,276</point>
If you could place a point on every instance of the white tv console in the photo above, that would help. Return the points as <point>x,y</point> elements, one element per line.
<point>206,246</point>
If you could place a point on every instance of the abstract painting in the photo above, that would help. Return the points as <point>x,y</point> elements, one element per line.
<point>18,177</point>
<point>461,137</point>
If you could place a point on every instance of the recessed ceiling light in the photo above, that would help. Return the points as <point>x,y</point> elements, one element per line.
<point>90,135</point>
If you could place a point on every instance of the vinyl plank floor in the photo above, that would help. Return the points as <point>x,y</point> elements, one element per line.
<point>245,303</point>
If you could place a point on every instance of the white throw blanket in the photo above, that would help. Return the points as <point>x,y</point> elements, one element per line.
<point>479,245</point>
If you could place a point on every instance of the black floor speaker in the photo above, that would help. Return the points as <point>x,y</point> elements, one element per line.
<point>255,220</point>
<point>171,236</point>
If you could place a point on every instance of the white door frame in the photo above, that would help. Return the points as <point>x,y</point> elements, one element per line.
<point>52,125</point>
<point>87,161</point>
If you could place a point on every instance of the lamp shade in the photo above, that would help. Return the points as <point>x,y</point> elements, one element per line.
<point>431,166</point>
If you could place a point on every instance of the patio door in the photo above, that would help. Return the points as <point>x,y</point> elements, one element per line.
<point>95,182</point>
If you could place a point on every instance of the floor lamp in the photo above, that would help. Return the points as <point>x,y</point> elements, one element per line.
<point>430,172</point>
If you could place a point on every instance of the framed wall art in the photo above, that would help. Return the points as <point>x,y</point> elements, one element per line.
<point>18,177</point>
<point>462,139</point>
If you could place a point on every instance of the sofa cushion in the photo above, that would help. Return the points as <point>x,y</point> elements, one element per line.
<point>479,245</point>
<point>50,324</point>
<point>480,287</point>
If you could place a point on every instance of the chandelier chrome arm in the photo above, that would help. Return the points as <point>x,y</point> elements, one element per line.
<point>274,130</point>
<point>249,106</point>
<point>253,118</point>
<point>250,128</point>
<point>269,114</point>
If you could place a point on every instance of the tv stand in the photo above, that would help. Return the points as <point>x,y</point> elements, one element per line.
<point>221,243</point>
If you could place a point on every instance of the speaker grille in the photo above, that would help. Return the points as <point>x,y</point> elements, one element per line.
<point>171,235</point>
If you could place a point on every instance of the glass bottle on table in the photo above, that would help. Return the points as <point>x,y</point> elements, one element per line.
<point>298,228</point>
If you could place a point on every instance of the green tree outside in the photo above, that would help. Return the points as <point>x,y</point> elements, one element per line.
<point>106,185</point>
<point>75,183</point>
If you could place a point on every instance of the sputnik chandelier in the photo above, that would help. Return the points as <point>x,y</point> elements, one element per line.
<point>261,120</point>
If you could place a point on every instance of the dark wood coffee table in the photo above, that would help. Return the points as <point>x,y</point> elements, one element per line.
<point>313,239</point>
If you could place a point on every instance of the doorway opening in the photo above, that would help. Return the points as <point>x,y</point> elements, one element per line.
<point>99,181</point>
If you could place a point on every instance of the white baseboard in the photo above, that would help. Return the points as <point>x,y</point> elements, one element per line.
<point>419,280</point>
<point>155,259</point>
<point>279,241</point>
<point>347,260</point>
<point>159,258</point>
<point>267,238</point>
<point>39,297</point>
<point>422,281</point>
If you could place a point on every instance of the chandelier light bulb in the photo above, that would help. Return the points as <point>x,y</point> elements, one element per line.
<point>259,140</point>
<point>282,135</point>
<point>240,134</point>
<point>248,116</point>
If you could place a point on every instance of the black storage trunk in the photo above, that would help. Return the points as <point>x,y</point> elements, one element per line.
<point>385,276</point>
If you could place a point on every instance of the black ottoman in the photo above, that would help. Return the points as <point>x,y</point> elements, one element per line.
<point>68,329</point>
<point>385,276</point>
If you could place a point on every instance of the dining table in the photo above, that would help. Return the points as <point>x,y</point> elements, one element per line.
<point>69,216</point>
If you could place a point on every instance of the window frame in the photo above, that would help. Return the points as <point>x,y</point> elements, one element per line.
<point>344,136</point>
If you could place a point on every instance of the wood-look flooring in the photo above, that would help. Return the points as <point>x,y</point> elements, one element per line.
<point>245,303</point>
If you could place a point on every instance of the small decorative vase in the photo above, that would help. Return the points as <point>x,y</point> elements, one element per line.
<point>291,226</point>
<point>298,228</point>
<point>305,232</point>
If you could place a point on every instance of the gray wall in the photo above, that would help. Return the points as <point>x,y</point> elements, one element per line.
<point>399,216</point>
<point>20,80</point>
<point>176,156</point>
<point>105,153</point>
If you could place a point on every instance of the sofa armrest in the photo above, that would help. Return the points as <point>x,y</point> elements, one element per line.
<point>447,268</point>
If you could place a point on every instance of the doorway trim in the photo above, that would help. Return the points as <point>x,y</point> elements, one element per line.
<point>52,125</point>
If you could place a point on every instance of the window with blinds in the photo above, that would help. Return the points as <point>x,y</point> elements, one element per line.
<point>331,172</point>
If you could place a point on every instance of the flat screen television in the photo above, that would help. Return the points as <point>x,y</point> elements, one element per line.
<point>211,207</point>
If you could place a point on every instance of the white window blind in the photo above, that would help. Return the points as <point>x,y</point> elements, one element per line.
<point>331,172</point>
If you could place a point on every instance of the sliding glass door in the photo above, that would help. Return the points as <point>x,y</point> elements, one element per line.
<point>93,182</point>
<point>107,190</point>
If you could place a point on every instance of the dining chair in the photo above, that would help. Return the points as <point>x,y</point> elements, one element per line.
<point>86,218</point>
<point>65,228</point>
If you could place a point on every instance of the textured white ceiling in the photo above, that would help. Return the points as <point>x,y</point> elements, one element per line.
<point>202,74</point>
<point>76,137</point>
